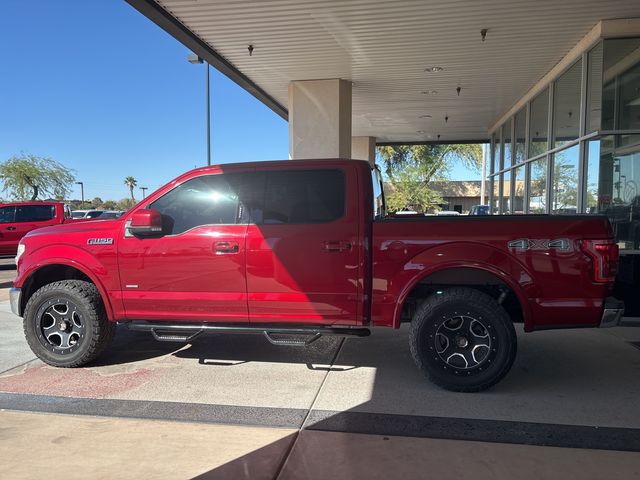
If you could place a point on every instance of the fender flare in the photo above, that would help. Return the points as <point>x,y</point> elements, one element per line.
<point>40,259</point>
<point>428,262</point>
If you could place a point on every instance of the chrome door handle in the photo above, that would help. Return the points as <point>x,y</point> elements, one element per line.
<point>336,246</point>
<point>221,248</point>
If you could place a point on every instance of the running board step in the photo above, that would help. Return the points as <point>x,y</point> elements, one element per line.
<point>292,342</point>
<point>185,332</point>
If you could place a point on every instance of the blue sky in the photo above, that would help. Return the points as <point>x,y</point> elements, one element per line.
<point>104,91</point>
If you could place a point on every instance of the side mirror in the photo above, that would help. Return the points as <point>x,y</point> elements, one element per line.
<point>146,223</point>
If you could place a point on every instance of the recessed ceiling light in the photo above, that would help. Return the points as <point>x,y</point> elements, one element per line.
<point>430,92</point>
<point>433,69</point>
<point>424,116</point>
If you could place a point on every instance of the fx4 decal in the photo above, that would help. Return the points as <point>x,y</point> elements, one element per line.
<point>525,244</point>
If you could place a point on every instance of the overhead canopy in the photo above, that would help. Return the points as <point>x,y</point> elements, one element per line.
<point>384,47</point>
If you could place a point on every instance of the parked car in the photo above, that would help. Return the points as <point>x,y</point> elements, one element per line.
<point>480,210</point>
<point>448,213</point>
<point>110,214</point>
<point>289,248</point>
<point>77,214</point>
<point>19,218</point>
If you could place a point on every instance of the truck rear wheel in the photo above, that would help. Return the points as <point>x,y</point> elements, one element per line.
<point>462,340</point>
<point>66,325</point>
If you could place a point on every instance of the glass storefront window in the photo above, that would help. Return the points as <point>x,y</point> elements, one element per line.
<point>619,190</point>
<point>538,124</point>
<point>506,193</point>
<point>496,153</point>
<point>518,149</point>
<point>621,78</point>
<point>538,187</point>
<point>594,88</point>
<point>506,143</point>
<point>518,194</point>
<point>495,198</point>
<point>591,199</point>
<point>566,106</point>
<point>564,191</point>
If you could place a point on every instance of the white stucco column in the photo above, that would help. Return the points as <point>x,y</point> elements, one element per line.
<point>319,119</point>
<point>364,148</point>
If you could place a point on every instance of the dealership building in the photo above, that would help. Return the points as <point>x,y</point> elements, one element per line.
<point>554,87</point>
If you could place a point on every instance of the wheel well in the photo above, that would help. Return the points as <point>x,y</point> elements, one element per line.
<point>481,280</point>
<point>46,275</point>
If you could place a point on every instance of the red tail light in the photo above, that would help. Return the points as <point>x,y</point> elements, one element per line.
<point>604,254</point>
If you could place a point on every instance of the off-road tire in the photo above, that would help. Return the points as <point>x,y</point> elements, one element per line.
<point>435,316</point>
<point>94,330</point>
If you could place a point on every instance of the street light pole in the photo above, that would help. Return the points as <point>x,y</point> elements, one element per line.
<point>195,59</point>
<point>144,189</point>
<point>81,193</point>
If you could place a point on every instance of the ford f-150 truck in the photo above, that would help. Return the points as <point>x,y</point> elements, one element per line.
<point>299,249</point>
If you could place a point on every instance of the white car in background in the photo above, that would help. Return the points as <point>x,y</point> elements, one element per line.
<point>86,213</point>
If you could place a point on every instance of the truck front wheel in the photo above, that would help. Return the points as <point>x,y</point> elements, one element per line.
<point>462,340</point>
<point>66,325</point>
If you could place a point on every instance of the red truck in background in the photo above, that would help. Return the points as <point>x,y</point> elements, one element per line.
<point>19,218</point>
<point>294,248</point>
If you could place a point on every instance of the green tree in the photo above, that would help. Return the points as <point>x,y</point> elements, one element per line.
<point>96,202</point>
<point>125,204</point>
<point>28,177</point>
<point>410,168</point>
<point>110,205</point>
<point>131,183</point>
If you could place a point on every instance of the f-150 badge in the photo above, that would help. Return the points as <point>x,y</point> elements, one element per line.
<point>100,241</point>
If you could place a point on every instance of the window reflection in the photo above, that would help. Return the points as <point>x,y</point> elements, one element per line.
<point>619,190</point>
<point>506,193</point>
<point>592,176</point>
<point>521,128</point>
<point>538,187</point>
<point>506,143</point>
<point>566,105</point>
<point>565,182</point>
<point>538,124</point>
<point>518,194</point>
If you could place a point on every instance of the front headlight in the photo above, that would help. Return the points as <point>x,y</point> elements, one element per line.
<point>21,249</point>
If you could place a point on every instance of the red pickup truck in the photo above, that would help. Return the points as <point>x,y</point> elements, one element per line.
<point>299,249</point>
<point>19,218</point>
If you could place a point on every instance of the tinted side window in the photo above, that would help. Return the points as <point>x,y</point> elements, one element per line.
<point>206,200</point>
<point>7,214</point>
<point>34,213</point>
<point>309,196</point>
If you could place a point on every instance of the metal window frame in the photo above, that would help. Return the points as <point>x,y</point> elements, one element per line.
<point>549,154</point>
<point>501,162</point>
<point>582,130</point>
<point>513,163</point>
<point>527,165</point>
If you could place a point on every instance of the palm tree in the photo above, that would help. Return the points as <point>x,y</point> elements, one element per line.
<point>131,183</point>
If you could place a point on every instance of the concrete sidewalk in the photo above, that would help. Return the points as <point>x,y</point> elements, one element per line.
<point>36,445</point>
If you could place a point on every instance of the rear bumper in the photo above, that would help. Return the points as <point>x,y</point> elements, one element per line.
<point>14,300</point>
<point>612,313</point>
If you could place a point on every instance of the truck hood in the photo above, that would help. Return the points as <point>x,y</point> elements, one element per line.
<point>95,226</point>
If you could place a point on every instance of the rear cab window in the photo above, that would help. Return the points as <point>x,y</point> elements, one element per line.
<point>303,196</point>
